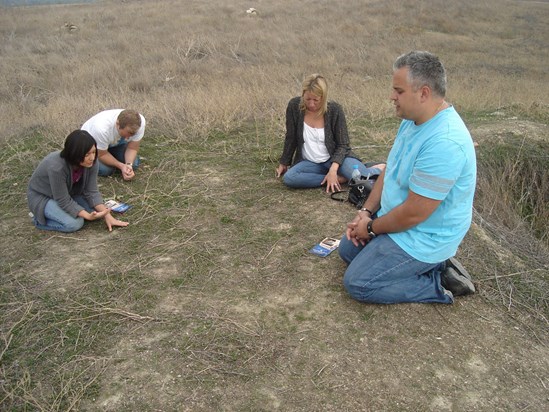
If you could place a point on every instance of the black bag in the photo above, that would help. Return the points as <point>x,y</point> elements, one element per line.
<point>358,192</point>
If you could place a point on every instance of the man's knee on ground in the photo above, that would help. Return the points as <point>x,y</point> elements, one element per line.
<point>105,170</point>
<point>354,289</point>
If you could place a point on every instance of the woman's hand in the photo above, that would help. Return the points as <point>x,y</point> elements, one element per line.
<point>332,181</point>
<point>93,215</point>
<point>280,170</point>
<point>112,221</point>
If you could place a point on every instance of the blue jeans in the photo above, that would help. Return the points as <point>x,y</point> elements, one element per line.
<point>119,153</point>
<point>306,174</point>
<point>381,272</point>
<point>59,220</point>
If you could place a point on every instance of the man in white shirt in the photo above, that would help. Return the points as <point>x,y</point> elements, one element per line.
<point>118,134</point>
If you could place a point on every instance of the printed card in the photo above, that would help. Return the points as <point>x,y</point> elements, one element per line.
<point>325,247</point>
<point>117,207</point>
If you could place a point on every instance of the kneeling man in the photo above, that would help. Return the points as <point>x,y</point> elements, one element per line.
<point>400,246</point>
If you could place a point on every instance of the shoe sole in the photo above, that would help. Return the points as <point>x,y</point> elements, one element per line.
<point>456,283</point>
<point>458,267</point>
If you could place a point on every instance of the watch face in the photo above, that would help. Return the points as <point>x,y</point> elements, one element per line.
<point>369,229</point>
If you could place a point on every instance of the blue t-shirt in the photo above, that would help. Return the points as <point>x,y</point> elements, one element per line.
<point>436,160</point>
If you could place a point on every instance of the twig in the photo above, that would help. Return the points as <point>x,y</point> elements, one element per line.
<point>321,369</point>
<point>247,330</point>
<point>64,237</point>
<point>510,275</point>
<point>543,383</point>
<point>370,145</point>
<point>9,333</point>
<point>110,311</point>
<point>272,248</point>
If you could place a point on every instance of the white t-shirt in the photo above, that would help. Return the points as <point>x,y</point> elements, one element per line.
<point>102,127</point>
<point>314,148</point>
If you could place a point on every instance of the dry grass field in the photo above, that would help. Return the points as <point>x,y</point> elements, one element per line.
<point>209,300</point>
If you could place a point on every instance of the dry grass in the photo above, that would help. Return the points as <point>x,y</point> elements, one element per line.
<point>212,301</point>
<point>194,66</point>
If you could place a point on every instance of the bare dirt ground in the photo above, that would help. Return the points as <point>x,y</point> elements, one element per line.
<point>210,300</point>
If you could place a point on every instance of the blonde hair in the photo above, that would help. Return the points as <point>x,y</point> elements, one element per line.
<point>317,85</point>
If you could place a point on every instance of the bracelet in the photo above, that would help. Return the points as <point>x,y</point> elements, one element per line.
<point>367,210</point>
<point>129,164</point>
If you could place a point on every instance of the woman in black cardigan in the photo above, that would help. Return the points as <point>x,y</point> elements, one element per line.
<point>317,142</point>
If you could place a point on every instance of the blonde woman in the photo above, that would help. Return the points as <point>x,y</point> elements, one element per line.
<point>317,142</point>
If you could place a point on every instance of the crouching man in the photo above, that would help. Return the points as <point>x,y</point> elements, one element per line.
<point>118,134</point>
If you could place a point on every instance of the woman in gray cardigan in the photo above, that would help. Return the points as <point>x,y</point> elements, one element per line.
<point>62,191</point>
<point>317,142</point>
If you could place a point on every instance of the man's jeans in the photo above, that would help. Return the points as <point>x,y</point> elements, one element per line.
<point>381,272</point>
<point>307,174</point>
<point>59,220</point>
<point>119,153</point>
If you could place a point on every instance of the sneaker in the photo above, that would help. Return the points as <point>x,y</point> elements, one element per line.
<point>457,283</point>
<point>458,267</point>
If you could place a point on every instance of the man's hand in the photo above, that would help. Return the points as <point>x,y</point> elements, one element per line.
<point>357,231</point>
<point>127,172</point>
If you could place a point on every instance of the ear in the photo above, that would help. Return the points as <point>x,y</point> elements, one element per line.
<point>426,93</point>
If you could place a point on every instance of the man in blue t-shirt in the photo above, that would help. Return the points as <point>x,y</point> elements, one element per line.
<point>401,244</point>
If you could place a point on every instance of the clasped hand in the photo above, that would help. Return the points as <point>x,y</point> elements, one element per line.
<point>357,231</point>
<point>127,172</point>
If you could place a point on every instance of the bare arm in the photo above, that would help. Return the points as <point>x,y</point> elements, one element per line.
<point>414,210</point>
<point>109,160</point>
<point>131,152</point>
<point>129,156</point>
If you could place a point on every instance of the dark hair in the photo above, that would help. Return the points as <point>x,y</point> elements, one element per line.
<point>77,145</point>
<point>424,69</point>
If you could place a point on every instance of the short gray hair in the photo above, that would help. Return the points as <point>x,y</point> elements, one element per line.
<point>425,69</point>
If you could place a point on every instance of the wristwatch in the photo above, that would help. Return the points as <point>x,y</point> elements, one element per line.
<point>371,232</point>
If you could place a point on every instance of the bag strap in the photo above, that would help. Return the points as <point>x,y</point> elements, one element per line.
<point>340,196</point>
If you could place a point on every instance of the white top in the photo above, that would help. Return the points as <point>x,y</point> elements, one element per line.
<point>314,148</point>
<point>102,127</point>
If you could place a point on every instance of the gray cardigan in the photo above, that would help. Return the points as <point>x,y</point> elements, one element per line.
<point>52,179</point>
<point>336,136</point>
